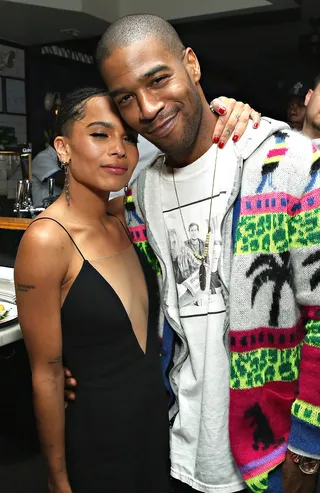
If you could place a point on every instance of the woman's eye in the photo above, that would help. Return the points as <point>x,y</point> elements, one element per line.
<point>133,139</point>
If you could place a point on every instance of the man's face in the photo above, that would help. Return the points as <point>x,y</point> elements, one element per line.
<point>194,232</point>
<point>312,103</point>
<point>296,112</point>
<point>156,93</point>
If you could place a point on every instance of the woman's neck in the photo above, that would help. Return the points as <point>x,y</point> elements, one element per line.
<point>86,206</point>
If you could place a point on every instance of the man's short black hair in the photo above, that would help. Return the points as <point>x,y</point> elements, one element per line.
<point>316,81</point>
<point>134,28</point>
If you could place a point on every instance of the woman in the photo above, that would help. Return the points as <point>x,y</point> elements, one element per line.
<point>87,298</point>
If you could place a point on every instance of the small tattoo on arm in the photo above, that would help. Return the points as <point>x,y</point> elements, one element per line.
<point>56,360</point>
<point>25,288</point>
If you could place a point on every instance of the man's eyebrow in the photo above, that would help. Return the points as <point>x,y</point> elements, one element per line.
<point>153,71</point>
<point>103,124</point>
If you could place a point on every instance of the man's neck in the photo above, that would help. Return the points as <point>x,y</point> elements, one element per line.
<point>202,143</point>
<point>310,131</point>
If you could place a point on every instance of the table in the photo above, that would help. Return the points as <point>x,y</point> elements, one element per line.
<point>16,223</point>
<point>12,332</point>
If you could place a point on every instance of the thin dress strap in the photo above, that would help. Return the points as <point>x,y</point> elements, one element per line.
<point>54,220</point>
<point>123,225</point>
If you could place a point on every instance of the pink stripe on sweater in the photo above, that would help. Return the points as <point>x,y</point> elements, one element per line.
<point>267,465</point>
<point>138,233</point>
<point>277,152</point>
<point>309,375</point>
<point>311,312</point>
<point>265,337</point>
<point>279,202</point>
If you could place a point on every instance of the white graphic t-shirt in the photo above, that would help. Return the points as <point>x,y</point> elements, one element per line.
<point>200,447</point>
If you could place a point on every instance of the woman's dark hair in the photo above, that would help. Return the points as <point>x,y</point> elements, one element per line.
<point>73,108</point>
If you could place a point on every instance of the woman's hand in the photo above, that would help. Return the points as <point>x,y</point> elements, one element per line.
<point>233,118</point>
<point>59,487</point>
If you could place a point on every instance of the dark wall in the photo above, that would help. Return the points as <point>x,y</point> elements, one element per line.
<point>48,73</point>
<point>254,58</point>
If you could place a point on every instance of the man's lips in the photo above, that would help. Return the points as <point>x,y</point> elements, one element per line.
<point>163,128</point>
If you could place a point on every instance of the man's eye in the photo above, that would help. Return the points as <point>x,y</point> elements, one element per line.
<point>158,80</point>
<point>99,135</point>
<point>125,99</point>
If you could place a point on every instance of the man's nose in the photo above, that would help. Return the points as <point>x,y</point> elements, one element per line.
<point>150,105</point>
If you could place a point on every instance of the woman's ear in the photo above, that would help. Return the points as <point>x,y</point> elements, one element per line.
<point>62,149</point>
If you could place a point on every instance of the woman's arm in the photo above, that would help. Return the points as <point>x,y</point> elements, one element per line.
<point>40,269</point>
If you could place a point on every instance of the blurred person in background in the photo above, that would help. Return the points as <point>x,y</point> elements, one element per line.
<point>296,110</point>
<point>44,166</point>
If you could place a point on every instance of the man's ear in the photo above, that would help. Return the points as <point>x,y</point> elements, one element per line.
<point>308,96</point>
<point>192,65</point>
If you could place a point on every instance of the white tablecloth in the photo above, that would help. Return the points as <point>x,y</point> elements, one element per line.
<point>11,332</point>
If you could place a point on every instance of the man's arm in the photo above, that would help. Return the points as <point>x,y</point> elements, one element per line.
<point>39,271</point>
<point>305,255</point>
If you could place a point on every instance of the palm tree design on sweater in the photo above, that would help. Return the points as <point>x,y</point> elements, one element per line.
<point>310,260</point>
<point>277,269</point>
<point>272,161</point>
<point>314,170</point>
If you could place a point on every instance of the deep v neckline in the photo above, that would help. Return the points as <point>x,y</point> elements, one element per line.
<point>87,263</point>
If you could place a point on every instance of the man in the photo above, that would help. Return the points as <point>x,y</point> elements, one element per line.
<point>311,124</point>
<point>271,279</point>
<point>195,243</point>
<point>267,284</point>
<point>296,110</point>
<point>44,166</point>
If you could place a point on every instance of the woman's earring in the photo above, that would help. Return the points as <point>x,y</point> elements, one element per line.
<point>128,200</point>
<point>65,167</point>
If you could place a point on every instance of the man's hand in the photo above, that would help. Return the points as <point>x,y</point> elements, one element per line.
<point>234,118</point>
<point>294,480</point>
<point>69,383</point>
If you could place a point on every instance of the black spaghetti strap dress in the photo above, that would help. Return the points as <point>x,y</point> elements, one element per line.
<point>117,429</point>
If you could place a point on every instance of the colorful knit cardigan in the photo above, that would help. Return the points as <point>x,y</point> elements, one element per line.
<point>274,308</point>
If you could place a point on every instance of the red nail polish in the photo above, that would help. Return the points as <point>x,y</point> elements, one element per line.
<point>222,110</point>
<point>235,138</point>
<point>216,140</point>
<point>221,145</point>
<point>256,125</point>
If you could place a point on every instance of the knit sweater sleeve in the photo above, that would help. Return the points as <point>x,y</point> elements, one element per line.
<point>304,242</point>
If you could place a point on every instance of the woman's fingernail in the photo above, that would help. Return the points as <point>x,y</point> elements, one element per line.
<point>256,125</point>
<point>221,145</point>
<point>216,140</point>
<point>235,138</point>
<point>222,110</point>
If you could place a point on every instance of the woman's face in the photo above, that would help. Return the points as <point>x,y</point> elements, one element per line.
<point>100,149</point>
